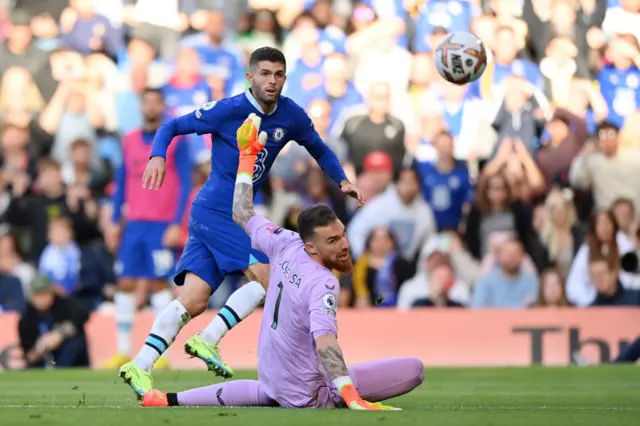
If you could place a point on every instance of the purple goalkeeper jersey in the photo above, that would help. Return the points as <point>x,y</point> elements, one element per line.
<point>300,305</point>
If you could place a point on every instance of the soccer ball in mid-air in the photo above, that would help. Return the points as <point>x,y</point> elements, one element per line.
<point>461,58</point>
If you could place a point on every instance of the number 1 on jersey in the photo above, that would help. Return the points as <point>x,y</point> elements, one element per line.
<point>276,309</point>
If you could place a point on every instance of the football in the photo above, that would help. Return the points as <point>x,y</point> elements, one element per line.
<point>461,58</point>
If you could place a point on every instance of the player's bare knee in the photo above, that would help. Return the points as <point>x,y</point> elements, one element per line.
<point>156,286</point>
<point>126,285</point>
<point>193,305</point>
<point>194,295</point>
<point>258,272</point>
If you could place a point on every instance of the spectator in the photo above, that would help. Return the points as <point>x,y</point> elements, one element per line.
<point>552,293</point>
<point>51,330</point>
<point>160,23</point>
<point>439,250</point>
<point>377,173</point>
<point>496,211</point>
<point>619,80</point>
<point>19,92</point>
<point>506,63</point>
<point>306,75</point>
<point>221,59</point>
<point>521,113</point>
<point>559,233</point>
<point>402,209</point>
<point>507,285</point>
<point>441,280</point>
<point>12,263</point>
<point>60,260</point>
<point>15,157</point>
<point>376,130</point>
<point>87,32</point>
<point>603,240</point>
<point>601,169</point>
<point>564,136</point>
<point>19,51</point>
<point>446,184</point>
<point>68,117</point>
<point>623,18</point>
<point>625,215</point>
<point>318,190</point>
<point>609,289</point>
<point>336,89</point>
<point>186,91</point>
<point>379,273</point>
<point>33,206</point>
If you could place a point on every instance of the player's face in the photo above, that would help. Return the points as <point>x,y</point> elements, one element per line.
<point>152,107</point>
<point>331,245</point>
<point>267,80</point>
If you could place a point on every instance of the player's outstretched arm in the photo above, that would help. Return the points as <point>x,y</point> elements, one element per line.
<point>330,353</point>
<point>250,143</point>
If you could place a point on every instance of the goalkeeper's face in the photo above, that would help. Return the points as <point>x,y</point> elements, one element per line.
<point>267,79</point>
<point>330,245</point>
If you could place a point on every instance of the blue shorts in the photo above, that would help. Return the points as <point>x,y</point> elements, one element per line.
<point>141,253</point>
<point>217,247</point>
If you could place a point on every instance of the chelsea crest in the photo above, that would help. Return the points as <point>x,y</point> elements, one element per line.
<point>278,134</point>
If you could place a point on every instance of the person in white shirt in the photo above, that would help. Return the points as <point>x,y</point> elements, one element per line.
<point>402,209</point>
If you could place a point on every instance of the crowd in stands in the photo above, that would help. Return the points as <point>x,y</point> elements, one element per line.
<point>515,191</point>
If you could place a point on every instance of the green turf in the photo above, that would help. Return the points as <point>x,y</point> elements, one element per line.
<point>588,396</point>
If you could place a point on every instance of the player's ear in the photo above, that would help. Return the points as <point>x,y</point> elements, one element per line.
<point>248,76</point>
<point>310,248</point>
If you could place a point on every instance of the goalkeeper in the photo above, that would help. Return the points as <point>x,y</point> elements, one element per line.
<point>300,363</point>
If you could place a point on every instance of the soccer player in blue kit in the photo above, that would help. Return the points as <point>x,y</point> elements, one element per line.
<point>217,246</point>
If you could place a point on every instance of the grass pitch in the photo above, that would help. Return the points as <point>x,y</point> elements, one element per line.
<point>589,396</point>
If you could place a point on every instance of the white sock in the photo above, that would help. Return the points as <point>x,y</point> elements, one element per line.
<point>125,315</point>
<point>164,330</point>
<point>240,304</point>
<point>159,301</point>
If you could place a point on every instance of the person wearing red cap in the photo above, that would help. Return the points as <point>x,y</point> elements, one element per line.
<point>377,173</point>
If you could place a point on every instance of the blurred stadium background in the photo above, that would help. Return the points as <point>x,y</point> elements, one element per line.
<point>511,205</point>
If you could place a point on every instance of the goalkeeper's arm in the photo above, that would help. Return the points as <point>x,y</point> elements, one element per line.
<point>331,355</point>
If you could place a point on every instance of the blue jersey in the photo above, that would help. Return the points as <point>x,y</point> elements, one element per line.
<point>222,119</point>
<point>621,91</point>
<point>446,193</point>
<point>453,15</point>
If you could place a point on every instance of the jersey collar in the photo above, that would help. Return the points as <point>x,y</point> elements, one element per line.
<point>255,103</point>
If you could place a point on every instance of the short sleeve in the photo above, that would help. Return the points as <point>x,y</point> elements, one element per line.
<point>323,306</point>
<point>267,237</point>
<point>208,118</point>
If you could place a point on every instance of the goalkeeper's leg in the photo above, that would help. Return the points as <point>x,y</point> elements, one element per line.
<point>387,378</point>
<point>236,393</point>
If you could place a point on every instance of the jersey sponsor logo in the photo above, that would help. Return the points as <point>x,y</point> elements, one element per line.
<point>205,107</point>
<point>330,305</point>
<point>275,230</point>
<point>278,134</point>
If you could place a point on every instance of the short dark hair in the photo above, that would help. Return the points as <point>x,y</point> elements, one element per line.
<point>312,218</point>
<point>269,54</point>
<point>155,90</point>
<point>607,125</point>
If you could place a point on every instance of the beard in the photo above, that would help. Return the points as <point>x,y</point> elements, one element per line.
<point>343,266</point>
<point>265,97</point>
